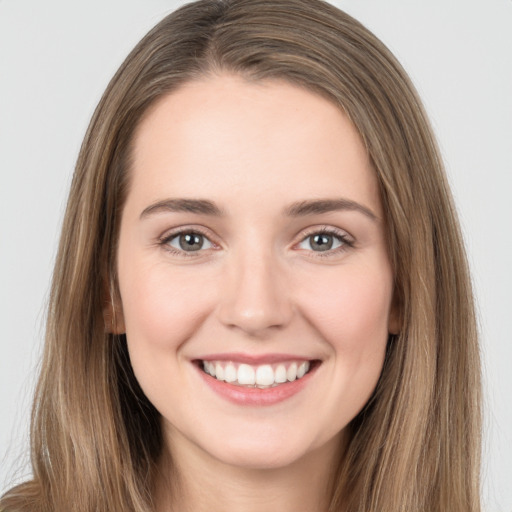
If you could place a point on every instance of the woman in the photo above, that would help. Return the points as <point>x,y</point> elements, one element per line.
<point>261,296</point>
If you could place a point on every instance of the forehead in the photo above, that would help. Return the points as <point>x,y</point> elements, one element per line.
<point>222,134</point>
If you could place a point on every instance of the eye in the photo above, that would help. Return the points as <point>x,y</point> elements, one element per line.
<point>189,241</point>
<point>324,241</point>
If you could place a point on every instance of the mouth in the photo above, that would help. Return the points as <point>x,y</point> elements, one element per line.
<point>259,376</point>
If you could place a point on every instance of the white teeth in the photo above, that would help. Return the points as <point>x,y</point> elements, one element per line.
<point>262,376</point>
<point>302,369</point>
<point>265,375</point>
<point>280,375</point>
<point>230,373</point>
<point>219,372</point>
<point>246,374</point>
<point>291,373</point>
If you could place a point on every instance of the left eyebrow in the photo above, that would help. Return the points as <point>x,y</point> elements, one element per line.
<point>319,206</point>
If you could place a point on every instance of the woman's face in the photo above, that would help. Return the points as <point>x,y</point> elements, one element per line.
<point>252,246</point>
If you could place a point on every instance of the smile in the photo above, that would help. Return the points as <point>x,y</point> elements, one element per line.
<point>249,380</point>
<point>256,376</point>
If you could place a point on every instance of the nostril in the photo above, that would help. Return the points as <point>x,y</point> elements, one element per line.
<point>255,300</point>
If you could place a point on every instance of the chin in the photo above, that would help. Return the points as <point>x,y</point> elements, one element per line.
<point>262,458</point>
<point>266,452</point>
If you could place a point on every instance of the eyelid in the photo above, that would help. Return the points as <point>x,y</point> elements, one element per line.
<point>348,240</point>
<point>164,239</point>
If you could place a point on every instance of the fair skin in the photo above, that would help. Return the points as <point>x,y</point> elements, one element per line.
<point>277,260</point>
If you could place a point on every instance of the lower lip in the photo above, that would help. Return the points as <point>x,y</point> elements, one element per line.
<point>254,396</point>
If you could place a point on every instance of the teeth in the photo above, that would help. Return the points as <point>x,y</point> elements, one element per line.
<point>262,376</point>
<point>246,374</point>
<point>265,375</point>
<point>230,373</point>
<point>219,372</point>
<point>291,373</point>
<point>301,370</point>
<point>280,375</point>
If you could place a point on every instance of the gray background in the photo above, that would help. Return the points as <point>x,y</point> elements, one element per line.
<point>56,58</point>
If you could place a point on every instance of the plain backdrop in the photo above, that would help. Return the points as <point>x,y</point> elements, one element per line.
<point>56,58</point>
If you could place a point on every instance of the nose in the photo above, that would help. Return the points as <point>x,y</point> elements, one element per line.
<point>255,297</point>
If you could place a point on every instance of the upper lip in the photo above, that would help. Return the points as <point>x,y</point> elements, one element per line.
<point>254,359</point>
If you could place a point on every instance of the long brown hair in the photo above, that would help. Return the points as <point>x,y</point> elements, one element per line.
<point>96,439</point>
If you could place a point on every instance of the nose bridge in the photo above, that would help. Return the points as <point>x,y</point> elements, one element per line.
<point>256,297</point>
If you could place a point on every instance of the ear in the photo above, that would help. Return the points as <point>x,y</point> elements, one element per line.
<point>113,317</point>
<point>395,320</point>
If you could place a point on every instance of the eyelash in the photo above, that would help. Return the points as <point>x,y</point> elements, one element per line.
<point>168,237</point>
<point>346,241</point>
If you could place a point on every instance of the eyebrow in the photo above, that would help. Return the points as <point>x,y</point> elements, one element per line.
<point>298,209</point>
<point>199,206</point>
<point>319,206</point>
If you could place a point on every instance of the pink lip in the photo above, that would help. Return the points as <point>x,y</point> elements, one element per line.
<point>253,359</point>
<point>240,395</point>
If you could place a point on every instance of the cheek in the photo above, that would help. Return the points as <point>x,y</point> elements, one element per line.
<point>161,307</point>
<point>352,318</point>
<point>162,310</point>
<point>352,308</point>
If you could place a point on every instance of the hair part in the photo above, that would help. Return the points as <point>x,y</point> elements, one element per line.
<point>97,440</point>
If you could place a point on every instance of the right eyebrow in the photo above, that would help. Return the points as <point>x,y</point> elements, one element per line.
<point>199,206</point>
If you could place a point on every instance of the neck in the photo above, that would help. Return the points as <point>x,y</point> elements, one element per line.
<point>196,482</point>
